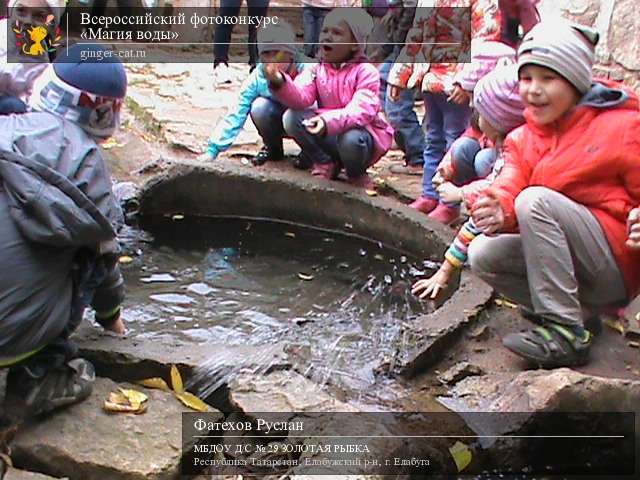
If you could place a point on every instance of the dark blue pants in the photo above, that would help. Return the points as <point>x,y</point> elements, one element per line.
<point>353,148</point>
<point>407,130</point>
<point>312,18</point>
<point>446,121</point>
<point>222,34</point>
<point>267,117</point>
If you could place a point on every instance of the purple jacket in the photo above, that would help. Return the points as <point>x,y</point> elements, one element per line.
<point>347,98</point>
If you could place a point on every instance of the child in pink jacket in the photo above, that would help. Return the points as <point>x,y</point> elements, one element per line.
<point>347,129</point>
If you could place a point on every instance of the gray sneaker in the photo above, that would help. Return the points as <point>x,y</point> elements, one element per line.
<point>43,391</point>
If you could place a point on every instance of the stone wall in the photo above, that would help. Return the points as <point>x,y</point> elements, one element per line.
<point>618,53</point>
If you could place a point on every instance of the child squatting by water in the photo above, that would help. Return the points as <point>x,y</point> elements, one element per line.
<point>347,129</point>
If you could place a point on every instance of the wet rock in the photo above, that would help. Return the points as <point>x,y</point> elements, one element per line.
<point>522,401</point>
<point>83,442</point>
<point>15,474</point>
<point>460,371</point>
<point>282,391</point>
<point>129,359</point>
<point>430,337</point>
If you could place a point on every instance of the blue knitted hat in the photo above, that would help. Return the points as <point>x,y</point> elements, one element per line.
<point>91,68</point>
<point>85,85</point>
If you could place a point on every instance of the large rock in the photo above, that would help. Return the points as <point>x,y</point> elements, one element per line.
<point>84,442</point>
<point>15,474</point>
<point>129,359</point>
<point>537,402</point>
<point>282,391</point>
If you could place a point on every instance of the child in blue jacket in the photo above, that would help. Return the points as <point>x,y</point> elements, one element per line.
<point>276,42</point>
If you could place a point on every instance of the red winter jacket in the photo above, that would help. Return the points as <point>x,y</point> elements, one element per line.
<point>591,155</point>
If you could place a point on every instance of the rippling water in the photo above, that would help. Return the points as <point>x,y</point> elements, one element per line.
<point>337,300</point>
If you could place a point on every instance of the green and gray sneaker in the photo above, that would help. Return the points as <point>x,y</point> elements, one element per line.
<point>43,391</point>
<point>551,346</point>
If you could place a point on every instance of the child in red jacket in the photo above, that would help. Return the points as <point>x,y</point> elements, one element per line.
<point>562,203</point>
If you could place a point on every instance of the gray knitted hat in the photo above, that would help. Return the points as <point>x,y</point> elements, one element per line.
<point>565,47</point>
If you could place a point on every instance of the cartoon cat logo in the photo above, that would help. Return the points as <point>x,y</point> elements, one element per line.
<point>35,41</point>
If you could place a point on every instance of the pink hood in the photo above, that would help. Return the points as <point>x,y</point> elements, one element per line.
<point>348,97</point>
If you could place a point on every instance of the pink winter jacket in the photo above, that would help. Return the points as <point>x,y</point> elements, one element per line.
<point>347,98</point>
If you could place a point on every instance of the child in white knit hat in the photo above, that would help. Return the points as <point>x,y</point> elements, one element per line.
<point>276,43</point>
<point>17,78</point>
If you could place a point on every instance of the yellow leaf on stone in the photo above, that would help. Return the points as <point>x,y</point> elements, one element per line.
<point>371,193</point>
<point>304,276</point>
<point>110,144</point>
<point>461,455</point>
<point>134,397</point>
<point>176,380</point>
<point>193,402</point>
<point>616,325</point>
<point>501,302</point>
<point>156,383</point>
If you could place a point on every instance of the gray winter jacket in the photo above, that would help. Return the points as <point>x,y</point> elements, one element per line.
<point>58,220</point>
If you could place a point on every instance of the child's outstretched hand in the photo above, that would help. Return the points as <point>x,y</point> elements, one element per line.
<point>633,229</point>
<point>315,125</point>
<point>487,213</point>
<point>273,74</point>
<point>431,287</point>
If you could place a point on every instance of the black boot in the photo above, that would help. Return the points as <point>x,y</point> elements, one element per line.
<point>267,155</point>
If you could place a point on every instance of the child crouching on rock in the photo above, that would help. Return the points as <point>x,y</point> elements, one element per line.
<point>347,128</point>
<point>276,43</point>
<point>500,111</point>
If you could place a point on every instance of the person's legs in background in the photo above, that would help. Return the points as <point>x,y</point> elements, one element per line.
<point>256,8</point>
<point>435,145</point>
<point>221,39</point>
<point>312,18</point>
<point>455,122</point>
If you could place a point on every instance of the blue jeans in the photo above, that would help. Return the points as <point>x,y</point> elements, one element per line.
<point>446,122</point>
<point>312,18</point>
<point>222,34</point>
<point>470,161</point>
<point>407,130</point>
<point>267,117</point>
<point>353,148</point>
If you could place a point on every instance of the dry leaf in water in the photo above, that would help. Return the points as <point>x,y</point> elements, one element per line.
<point>304,276</point>
<point>461,455</point>
<point>156,383</point>
<point>125,259</point>
<point>193,402</point>
<point>176,380</point>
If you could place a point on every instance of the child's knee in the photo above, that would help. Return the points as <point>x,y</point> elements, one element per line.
<point>484,162</point>
<point>292,122</point>
<point>480,255</point>
<point>531,201</point>
<point>464,150</point>
<point>355,150</point>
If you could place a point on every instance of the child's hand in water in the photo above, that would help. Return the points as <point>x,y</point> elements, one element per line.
<point>273,74</point>
<point>431,287</point>
<point>315,125</point>
<point>633,229</point>
<point>449,193</point>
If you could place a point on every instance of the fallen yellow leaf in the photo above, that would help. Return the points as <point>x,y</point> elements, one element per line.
<point>616,325</point>
<point>304,276</point>
<point>193,402</point>
<point>371,193</point>
<point>125,259</point>
<point>501,302</point>
<point>634,344</point>
<point>461,455</point>
<point>176,380</point>
<point>177,216</point>
<point>118,408</point>
<point>110,144</point>
<point>290,234</point>
<point>155,383</point>
<point>134,397</point>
